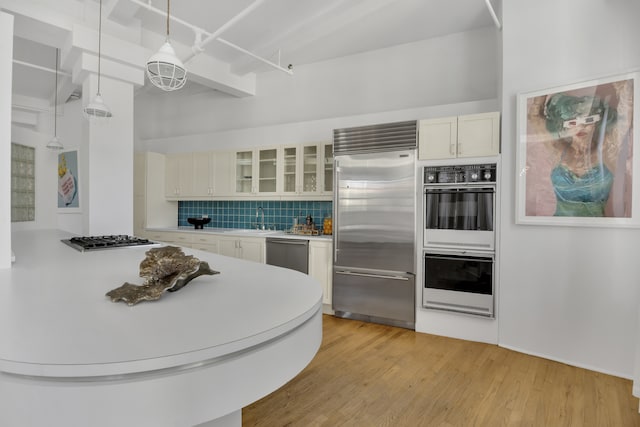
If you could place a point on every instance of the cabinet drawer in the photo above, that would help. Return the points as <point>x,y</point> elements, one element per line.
<point>157,236</point>
<point>213,247</point>
<point>181,238</point>
<point>205,239</point>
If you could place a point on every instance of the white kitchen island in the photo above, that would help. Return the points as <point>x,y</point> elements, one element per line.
<point>71,357</point>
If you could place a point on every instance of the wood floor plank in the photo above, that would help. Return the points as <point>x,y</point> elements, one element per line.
<point>374,375</point>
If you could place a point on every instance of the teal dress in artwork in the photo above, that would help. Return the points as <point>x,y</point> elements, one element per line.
<point>584,195</point>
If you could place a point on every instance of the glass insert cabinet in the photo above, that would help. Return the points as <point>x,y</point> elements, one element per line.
<point>244,172</point>
<point>307,169</point>
<point>290,171</point>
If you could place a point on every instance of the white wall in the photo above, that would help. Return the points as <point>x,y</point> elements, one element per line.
<point>6,56</point>
<point>306,131</point>
<point>449,70</point>
<point>70,127</point>
<point>569,294</point>
<point>107,150</point>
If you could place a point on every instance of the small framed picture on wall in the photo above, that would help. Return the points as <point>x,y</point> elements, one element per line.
<point>68,182</point>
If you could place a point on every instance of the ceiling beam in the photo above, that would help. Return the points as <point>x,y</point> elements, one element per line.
<point>46,24</point>
<point>350,12</point>
<point>122,11</point>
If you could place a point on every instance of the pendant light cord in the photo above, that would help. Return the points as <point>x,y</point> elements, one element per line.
<point>55,105</point>
<point>168,6</point>
<point>99,44</point>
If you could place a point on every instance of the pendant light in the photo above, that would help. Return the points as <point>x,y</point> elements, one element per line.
<point>164,68</point>
<point>97,109</point>
<point>55,144</point>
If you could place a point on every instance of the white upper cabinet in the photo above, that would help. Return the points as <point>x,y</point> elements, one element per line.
<point>203,174</point>
<point>198,176</point>
<point>244,172</point>
<point>256,172</point>
<point>473,135</point>
<point>310,168</point>
<point>288,172</point>
<point>307,170</point>
<point>327,162</point>
<point>267,171</point>
<point>179,175</point>
<point>223,173</point>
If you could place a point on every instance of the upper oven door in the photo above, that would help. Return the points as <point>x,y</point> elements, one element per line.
<point>459,216</point>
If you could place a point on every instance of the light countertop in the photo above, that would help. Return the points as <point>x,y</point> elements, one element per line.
<point>243,232</point>
<point>55,319</point>
<point>71,357</point>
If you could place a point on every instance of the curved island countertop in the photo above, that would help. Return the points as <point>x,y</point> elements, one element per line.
<point>69,356</point>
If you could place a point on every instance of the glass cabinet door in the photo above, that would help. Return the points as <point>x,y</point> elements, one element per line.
<point>290,165</point>
<point>327,159</point>
<point>309,168</point>
<point>244,171</point>
<point>267,170</point>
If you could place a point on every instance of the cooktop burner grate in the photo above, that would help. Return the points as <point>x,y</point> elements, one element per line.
<point>87,243</point>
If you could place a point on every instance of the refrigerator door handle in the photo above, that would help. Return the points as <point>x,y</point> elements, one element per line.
<point>336,183</point>
<point>377,276</point>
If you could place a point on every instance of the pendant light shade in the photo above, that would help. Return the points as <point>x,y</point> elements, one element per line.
<point>55,144</point>
<point>97,109</point>
<point>164,68</point>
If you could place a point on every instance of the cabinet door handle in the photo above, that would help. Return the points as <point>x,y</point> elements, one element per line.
<point>452,149</point>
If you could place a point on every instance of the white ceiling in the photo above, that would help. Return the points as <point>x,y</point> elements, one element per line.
<point>299,31</point>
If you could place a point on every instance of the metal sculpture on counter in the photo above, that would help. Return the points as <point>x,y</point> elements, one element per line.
<point>165,269</point>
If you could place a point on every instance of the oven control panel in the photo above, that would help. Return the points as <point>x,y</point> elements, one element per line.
<point>480,173</point>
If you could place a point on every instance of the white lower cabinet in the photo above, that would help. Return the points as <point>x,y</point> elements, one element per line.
<point>248,248</point>
<point>207,243</point>
<point>253,249</point>
<point>321,266</point>
<point>181,239</point>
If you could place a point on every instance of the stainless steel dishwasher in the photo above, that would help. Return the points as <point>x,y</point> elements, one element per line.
<point>288,253</point>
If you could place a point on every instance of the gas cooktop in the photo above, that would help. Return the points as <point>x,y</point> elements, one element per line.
<point>92,243</point>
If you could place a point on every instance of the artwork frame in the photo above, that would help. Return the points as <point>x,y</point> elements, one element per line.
<point>574,156</point>
<point>69,181</point>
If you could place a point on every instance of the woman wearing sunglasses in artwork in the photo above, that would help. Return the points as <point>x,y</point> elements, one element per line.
<point>587,152</point>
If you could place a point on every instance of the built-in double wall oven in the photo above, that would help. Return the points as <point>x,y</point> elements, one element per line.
<point>458,209</point>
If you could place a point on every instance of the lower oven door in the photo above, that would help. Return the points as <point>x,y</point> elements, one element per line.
<point>459,281</point>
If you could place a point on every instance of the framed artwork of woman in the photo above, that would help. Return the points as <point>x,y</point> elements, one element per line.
<point>575,154</point>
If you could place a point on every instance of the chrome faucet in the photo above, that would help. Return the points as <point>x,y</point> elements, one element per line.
<point>260,210</point>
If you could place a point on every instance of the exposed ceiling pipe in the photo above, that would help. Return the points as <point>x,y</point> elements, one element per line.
<point>198,47</point>
<point>493,14</point>
<point>199,32</point>
<point>287,70</point>
<point>41,68</point>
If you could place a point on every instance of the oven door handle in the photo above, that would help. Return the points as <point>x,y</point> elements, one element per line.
<point>481,258</point>
<point>458,189</point>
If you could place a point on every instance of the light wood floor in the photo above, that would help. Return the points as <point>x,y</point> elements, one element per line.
<point>372,375</point>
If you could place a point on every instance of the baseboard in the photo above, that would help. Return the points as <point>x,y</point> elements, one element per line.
<point>570,363</point>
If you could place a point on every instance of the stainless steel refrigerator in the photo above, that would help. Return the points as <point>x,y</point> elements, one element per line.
<point>374,223</point>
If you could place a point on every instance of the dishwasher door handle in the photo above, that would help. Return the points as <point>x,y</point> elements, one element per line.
<point>288,242</point>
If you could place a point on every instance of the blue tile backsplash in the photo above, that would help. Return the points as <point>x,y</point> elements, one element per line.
<point>242,214</point>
